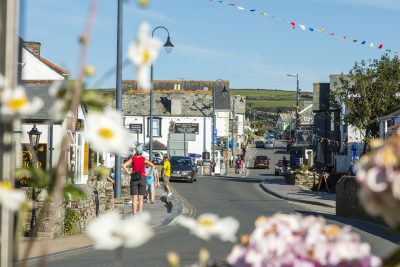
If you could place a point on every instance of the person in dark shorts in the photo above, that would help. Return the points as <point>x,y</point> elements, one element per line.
<point>138,188</point>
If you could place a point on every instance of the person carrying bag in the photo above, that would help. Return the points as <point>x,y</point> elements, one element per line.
<point>138,178</point>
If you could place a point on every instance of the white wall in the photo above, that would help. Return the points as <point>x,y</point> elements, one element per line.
<point>34,69</point>
<point>222,123</point>
<point>193,146</point>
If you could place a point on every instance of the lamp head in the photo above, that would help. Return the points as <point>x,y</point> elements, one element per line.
<point>168,45</point>
<point>34,136</point>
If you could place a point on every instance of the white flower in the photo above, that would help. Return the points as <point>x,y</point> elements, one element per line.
<point>9,197</point>
<point>143,53</point>
<point>15,102</point>
<point>208,225</point>
<point>110,231</point>
<point>106,133</point>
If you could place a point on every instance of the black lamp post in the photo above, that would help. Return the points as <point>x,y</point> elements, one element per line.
<point>168,48</point>
<point>34,137</point>
<point>213,136</point>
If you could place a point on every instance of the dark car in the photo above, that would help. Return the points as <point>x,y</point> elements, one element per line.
<point>261,162</point>
<point>182,168</point>
<point>259,144</point>
<point>279,167</point>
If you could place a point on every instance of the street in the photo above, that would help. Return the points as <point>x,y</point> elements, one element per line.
<point>240,197</point>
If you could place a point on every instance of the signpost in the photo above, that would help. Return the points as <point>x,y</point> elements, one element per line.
<point>214,137</point>
<point>192,128</point>
<point>136,128</point>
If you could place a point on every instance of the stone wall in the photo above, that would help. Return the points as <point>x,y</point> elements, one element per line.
<point>99,199</point>
<point>304,179</point>
<point>347,202</point>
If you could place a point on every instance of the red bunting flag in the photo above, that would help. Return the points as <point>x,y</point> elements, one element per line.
<point>380,46</point>
<point>231,4</point>
<point>293,25</point>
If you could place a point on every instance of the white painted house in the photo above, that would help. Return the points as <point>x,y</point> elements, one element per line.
<point>38,74</point>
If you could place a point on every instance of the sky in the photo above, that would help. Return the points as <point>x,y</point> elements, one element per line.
<point>214,41</point>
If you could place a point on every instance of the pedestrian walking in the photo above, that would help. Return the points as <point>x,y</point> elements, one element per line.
<point>166,174</point>
<point>138,178</point>
<point>151,183</point>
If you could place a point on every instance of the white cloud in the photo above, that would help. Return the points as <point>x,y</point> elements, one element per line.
<point>198,51</point>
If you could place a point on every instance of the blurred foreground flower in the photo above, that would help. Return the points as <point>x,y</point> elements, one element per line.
<point>110,231</point>
<point>61,99</point>
<point>293,240</point>
<point>15,102</point>
<point>10,198</point>
<point>106,133</point>
<point>143,53</point>
<point>208,225</point>
<point>143,3</point>
<point>379,176</point>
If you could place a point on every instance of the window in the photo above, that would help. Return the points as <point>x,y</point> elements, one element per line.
<point>156,127</point>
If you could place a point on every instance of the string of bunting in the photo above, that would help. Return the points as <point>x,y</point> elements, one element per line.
<point>318,139</point>
<point>294,25</point>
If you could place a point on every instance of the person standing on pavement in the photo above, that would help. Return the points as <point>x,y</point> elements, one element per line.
<point>166,174</point>
<point>151,183</point>
<point>138,188</point>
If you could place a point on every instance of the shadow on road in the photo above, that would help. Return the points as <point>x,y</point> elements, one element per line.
<point>372,228</point>
<point>238,179</point>
<point>281,151</point>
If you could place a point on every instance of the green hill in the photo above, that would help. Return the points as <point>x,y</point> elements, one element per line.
<point>270,100</point>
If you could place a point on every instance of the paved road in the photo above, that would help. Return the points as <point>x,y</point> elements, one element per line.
<point>240,197</point>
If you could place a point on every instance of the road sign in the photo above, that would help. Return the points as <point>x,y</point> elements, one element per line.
<point>214,138</point>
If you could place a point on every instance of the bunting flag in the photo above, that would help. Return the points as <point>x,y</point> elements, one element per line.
<point>303,27</point>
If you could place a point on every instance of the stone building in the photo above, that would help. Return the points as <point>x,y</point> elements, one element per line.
<point>179,107</point>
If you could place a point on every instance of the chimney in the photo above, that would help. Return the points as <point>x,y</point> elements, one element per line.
<point>34,47</point>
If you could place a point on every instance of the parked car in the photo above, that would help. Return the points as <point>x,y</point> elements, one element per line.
<point>261,162</point>
<point>269,144</point>
<point>182,168</point>
<point>259,144</point>
<point>157,158</point>
<point>279,168</point>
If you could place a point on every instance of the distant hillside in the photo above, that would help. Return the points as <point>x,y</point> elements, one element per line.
<point>270,100</point>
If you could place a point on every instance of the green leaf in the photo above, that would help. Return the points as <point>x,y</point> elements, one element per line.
<point>72,192</point>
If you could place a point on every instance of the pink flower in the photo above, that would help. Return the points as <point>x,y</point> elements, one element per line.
<point>379,177</point>
<point>293,240</point>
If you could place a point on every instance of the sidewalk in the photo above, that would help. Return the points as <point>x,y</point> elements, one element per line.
<point>275,185</point>
<point>160,214</point>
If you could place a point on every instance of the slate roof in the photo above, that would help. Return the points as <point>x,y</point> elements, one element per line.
<point>40,90</point>
<point>222,100</point>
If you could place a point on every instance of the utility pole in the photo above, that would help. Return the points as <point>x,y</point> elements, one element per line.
<point>297,109</point>
<point>118,94</point>
<point>233,125</point>
<point>9,31</point>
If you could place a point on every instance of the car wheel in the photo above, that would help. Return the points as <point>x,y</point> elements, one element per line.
<point>197,178</point>
<point>191,180</point>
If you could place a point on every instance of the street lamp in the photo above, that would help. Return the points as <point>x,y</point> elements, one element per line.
<point>34,137</point>
<point>214,134</point>
<point>168,48</point>
<point>297,104</point>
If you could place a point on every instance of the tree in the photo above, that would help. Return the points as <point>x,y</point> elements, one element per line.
<point>370,91</point>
